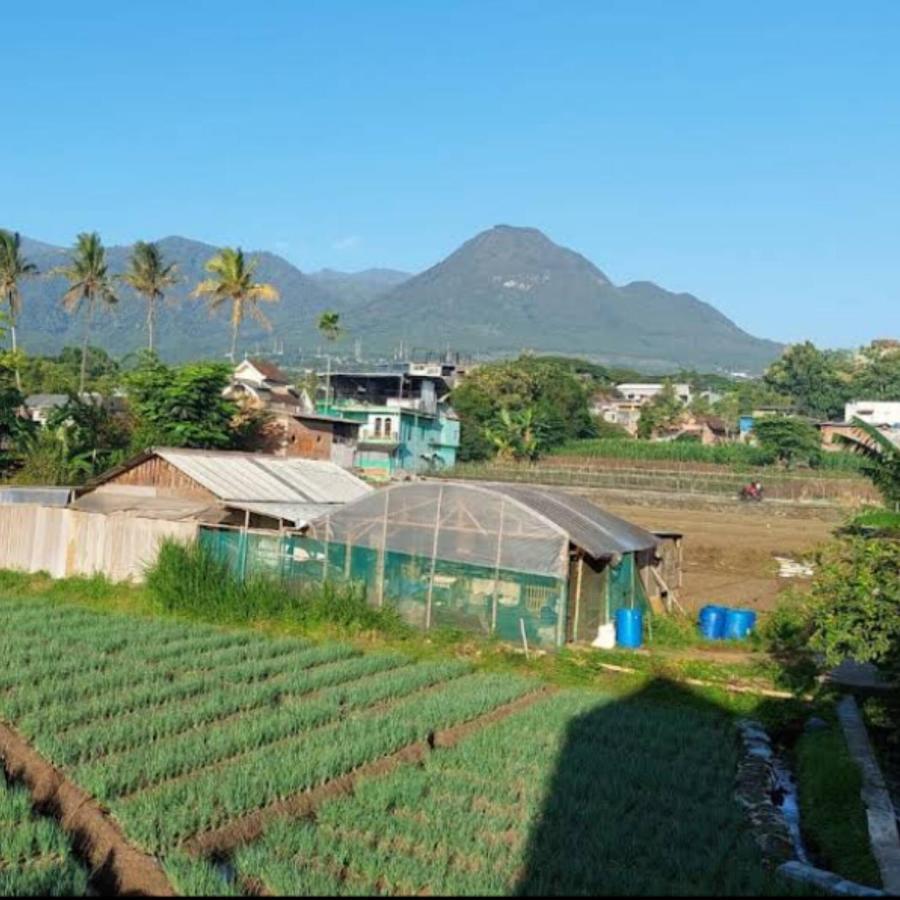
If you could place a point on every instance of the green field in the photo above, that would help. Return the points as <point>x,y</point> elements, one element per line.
<point>181,729</point>
<point>739,456</point>
<point>35,858</point>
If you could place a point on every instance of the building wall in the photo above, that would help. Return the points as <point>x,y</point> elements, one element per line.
<point>158,473</point>
<point>66,542</point>
<point>311,440</point>
<point>877,412</point>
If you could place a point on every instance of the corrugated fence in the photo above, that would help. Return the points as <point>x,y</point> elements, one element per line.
<point>67,542</point>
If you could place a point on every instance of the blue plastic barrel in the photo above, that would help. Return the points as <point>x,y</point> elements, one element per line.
<point>629,627</point>
<point>712,622</point>
<point>739,623</point>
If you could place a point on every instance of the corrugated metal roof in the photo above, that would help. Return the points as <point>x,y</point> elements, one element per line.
<point>593,529</point>
<point>146,506</point>
<point>270,479</point>
<point>42,496</point>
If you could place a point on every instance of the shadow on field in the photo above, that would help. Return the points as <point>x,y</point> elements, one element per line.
<point>641,803</point>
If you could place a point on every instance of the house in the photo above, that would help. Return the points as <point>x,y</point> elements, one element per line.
<point>40,407</point>
<point>884,415</point>
<point>406,423</point>
<point>218,486</point>
<point>875,412</point>
<point>262,385</point>
<point>509,560</point>
<point>613,408</point>
<point>708,430</point>
<point>641,393</point>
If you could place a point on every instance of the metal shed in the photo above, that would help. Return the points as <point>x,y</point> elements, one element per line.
<point>259,489</point>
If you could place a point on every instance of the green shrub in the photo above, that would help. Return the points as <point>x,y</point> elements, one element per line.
<point>856,602</point>
<point>191,579</point>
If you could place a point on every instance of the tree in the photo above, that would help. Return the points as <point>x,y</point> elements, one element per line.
<point>330,326</point>
<point>882,459</point>
<point>855,609</point>
<point>660,413</point>
<point>233,283</point>
<point>14,429</point>
<point>548,391</point>
<point>89,281</point>
<point>818,381</point>
<point>13,269</point>
<point>96,436</point>
<point>878,378</point>
<point>150,277</point>
<point>515,435</point>
<point>181,406</point>
<point>789,439</point>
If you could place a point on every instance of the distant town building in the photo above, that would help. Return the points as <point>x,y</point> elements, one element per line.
<point>884,415</point>
<point>643,392</point>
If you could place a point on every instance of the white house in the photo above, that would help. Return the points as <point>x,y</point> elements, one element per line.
<point>640,392</point>
<point>876,412</point>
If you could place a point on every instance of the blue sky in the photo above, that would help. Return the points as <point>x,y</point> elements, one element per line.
<point>746,152</point>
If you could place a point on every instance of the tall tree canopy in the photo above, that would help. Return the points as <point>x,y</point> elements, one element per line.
<point>541,400</point>
<point>232,282</point>
<point>150,277</point>
<point>90,282</point>
<point>181,406</point>
<point>14,268</point>
<point>817,380</point>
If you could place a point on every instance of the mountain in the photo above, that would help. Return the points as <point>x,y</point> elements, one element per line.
<point>506,290</point>
<point>510,289</point>
<point>185,328</point>
<point>358,288</point>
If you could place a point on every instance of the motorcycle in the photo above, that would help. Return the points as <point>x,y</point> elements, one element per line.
<point>751,493</point>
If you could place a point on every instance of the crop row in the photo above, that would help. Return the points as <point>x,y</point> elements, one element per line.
<point>35,858</point>
<point>110,778</point>
<point>162,817</point>
<point>54,718</point>
<point>129,673</point>
<point>131,729</point>
<point>572,796</point>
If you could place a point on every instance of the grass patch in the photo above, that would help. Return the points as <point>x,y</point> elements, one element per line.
<point>881,522</point>
<point>831,810</point>
<point>191,580</point>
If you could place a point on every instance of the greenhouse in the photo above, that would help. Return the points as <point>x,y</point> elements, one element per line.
<point>523,563</point>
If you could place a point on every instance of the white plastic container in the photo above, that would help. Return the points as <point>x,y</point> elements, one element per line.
<point>606,637</point>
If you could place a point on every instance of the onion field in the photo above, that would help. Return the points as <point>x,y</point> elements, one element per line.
<point>35,858</point>
<point>183,733</point>
<point>570,797</point>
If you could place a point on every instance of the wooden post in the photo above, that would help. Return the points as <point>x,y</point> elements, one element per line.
<point>327,545</point>
<point>383,552</point>
<point>434,548</point>
<point>497,565</point>
<point>245,534</point>
<point>578,580</point>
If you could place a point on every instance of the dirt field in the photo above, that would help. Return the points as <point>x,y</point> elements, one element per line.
<point>730,549</point>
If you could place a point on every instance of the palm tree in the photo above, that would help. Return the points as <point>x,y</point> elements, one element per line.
<point>329,326</point>
<point>149,276</point>
<point>882,459</point>
<point>13,268</point>
<point>89,281</point>
<point>232,282</point>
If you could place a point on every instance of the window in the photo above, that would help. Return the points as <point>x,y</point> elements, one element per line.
<point>387,427</point>
<point>378,426</point>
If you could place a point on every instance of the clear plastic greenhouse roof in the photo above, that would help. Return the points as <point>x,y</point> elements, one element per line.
<point>494,526</point>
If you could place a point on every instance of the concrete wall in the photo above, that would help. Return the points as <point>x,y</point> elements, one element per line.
<point>66,542</point>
